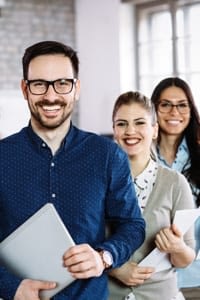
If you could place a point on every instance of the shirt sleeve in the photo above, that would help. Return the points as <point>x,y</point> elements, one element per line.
<point>122,212</point>
<point>8,284</point>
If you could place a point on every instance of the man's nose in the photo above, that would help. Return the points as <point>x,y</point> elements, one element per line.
<point>51,93</point>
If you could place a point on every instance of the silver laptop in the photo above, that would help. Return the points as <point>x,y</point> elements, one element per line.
<point>35,250</point>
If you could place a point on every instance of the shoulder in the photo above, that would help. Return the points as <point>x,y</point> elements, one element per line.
<point>170,174</point>
<point>13,139</point>
<point>88,135</point>
<point>176,185</point>
<point>96,141</point>
<point>102,149</point>
<point>13,148</point>
<point>173,179</point>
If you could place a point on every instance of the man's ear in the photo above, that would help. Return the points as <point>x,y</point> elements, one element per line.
<point>24,89</point>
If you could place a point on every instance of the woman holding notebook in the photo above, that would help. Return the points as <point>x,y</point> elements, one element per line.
<point>161,192</point>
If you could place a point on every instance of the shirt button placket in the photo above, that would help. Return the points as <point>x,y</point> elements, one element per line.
<point>53,195</point>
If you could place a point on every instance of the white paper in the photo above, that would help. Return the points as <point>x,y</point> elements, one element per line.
<point>198,255</point>
<point>183,219</point>
<point>156,259</point>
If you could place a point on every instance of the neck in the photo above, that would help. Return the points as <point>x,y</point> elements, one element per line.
<point>52,137</point>
<point>168,146</point>
<point>138,164</point>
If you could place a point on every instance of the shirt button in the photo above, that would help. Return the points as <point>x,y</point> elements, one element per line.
<point>53,195</point>
<point>52,164</point>
<point>43,145</point>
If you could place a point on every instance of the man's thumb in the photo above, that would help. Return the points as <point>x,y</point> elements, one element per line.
<point>45,285</point>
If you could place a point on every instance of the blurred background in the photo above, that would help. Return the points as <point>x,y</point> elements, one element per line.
<point>122,45</point>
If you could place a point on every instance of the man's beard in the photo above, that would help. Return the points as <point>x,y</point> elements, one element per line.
<point>50,125</point>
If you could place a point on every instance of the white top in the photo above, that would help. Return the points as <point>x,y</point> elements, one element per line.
<point>144,183</point>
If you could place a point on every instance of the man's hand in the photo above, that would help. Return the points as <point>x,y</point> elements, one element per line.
<point>29,289</point>
<point>82,261</point>
<point>131,274</point>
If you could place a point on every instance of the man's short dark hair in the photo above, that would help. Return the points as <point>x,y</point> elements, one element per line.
<point>49,47</point>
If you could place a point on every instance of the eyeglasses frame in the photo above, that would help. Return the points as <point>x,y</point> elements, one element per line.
<point>50,82</point>
<point>172,106</point>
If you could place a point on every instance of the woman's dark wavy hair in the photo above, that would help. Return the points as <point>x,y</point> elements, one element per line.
<point>191,133</point>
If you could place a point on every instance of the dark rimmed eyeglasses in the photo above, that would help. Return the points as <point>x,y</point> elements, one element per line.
<point>60,86</point>
<point>166,107</point>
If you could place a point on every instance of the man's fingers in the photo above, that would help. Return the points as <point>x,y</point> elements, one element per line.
<point>29,289</point>
<point>45,285</point>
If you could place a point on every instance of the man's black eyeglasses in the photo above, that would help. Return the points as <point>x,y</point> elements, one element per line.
<point>60,86</point>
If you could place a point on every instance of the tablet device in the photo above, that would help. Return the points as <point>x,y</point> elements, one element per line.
<point>35,250</point>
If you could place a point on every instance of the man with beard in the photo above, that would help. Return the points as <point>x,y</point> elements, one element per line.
<point>85,176</point>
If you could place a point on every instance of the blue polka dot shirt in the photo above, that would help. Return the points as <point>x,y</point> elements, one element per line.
<point>89,182</point>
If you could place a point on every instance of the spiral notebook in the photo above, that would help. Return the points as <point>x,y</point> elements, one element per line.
<point>35,250</point>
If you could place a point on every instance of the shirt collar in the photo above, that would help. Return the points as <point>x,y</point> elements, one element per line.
<point>36,140</point>
<point>142,180</point>
<point>182,157</point>
<point>183,145</point>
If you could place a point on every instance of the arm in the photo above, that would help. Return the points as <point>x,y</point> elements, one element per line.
<point>170,239</point>
<point>84,262</point>
<point>122,212</point>
<point>121,209</point>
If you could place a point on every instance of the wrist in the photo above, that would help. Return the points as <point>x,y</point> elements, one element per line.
<point>106,257</point>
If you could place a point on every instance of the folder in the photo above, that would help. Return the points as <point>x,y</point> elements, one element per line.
<point>184,219</point>
<point>35,250</point>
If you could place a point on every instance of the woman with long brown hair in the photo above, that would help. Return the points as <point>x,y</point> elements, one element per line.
<point>178,147</point>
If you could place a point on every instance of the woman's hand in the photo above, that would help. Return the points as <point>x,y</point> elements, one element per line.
<point>131,274</point>
<point>170,240</point>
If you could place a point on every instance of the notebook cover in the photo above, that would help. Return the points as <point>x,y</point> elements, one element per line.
<point>35,250</point>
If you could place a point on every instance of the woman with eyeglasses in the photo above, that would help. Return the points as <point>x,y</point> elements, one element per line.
<point>178,147</point>
<point>160,192</point>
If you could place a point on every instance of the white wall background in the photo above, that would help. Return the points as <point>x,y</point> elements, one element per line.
<point>14,112</point>
<point>103,41</point>
<point>102,32</point>
<point>97,40</point>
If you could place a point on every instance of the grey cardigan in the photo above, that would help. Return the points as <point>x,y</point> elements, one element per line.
<point>171,192</point>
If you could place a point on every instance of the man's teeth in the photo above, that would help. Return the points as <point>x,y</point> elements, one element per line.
<point>51,108</point>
